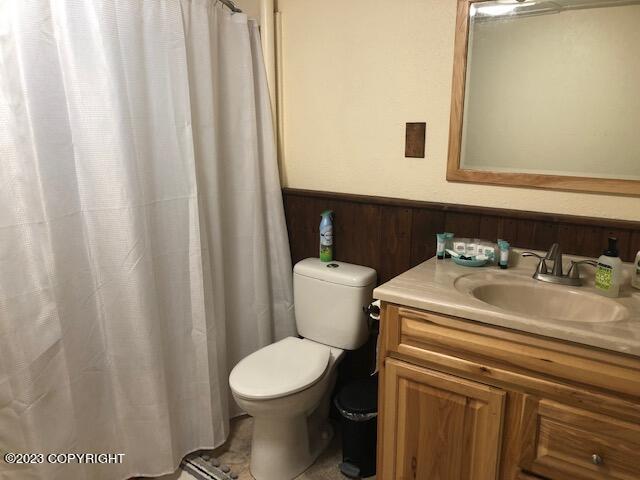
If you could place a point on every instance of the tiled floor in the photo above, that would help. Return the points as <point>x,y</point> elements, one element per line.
<point>179,475</point>
<point>236,453</point>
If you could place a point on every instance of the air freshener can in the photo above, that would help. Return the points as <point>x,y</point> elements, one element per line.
<point>326,236</point>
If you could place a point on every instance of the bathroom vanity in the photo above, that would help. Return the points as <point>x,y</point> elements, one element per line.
<point>490,374</point>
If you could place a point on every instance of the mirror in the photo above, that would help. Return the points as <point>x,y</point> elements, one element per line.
<point>547,94</point>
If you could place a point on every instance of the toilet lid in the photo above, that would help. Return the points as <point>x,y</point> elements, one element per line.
<point>280,369</point>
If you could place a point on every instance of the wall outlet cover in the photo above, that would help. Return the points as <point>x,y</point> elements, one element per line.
<point>415,140</point>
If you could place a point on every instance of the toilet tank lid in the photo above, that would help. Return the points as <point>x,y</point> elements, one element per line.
<point>341,273</point>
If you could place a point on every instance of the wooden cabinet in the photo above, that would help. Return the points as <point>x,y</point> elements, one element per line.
<point>460,400</point>
<point>440,426</point>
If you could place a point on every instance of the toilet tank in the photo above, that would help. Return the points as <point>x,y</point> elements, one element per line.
<point>328,301</point>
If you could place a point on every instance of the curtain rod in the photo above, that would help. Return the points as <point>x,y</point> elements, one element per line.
<point>232,6</point>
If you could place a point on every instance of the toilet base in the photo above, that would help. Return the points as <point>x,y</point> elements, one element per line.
<point>290,432</point>
<point>282,449</point>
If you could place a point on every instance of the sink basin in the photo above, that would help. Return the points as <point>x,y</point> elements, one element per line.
<point>550,302</point>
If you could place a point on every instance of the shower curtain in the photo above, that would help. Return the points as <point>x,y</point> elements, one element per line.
<point>143,249</point>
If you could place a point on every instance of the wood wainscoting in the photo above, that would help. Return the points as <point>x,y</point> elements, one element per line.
<point>393,235</point>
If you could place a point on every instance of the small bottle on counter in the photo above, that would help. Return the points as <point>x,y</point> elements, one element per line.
<point>504,248</point>
<point>441,245</point>
<point>635,274</point>
<point>449,244</point>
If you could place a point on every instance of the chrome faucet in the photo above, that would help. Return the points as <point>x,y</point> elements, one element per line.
<point>557,276</point>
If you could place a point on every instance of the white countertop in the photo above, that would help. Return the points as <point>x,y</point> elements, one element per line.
<point>437,286</point>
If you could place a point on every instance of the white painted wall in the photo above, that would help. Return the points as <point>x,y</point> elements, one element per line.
<point>353,74</point>
<point>250,7</point>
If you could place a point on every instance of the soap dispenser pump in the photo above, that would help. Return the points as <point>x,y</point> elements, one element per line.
<point>609,270</point>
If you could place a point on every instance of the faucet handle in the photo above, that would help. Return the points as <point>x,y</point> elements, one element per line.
<point>542,265</point>
<point>574,270</point>
<point>533,254</point>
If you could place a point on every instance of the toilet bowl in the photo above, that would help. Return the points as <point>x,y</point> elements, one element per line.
<point>286,386</point>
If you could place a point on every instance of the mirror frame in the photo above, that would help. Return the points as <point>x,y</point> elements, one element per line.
<point>530,180</point>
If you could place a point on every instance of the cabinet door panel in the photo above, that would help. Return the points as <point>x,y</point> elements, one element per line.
<point>439,427</point>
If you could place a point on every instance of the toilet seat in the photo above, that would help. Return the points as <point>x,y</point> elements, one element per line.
<point>282,368</point>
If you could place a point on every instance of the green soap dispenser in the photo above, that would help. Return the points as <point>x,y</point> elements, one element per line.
<point>326,236</point>
<point>609,270</point>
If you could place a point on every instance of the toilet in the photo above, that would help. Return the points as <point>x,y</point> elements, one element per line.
<point>286,386</point>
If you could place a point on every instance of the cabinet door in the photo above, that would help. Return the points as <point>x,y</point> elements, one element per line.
<point>439,427</point>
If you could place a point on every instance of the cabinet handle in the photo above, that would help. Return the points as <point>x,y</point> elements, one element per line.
<point>596,459</point>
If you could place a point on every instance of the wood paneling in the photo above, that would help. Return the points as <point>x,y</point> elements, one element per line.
<point>392,235</point>
<point>426,223</point>
<point>395,239</point>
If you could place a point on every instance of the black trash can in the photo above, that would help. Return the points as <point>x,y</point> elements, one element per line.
<point>357,403</point>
